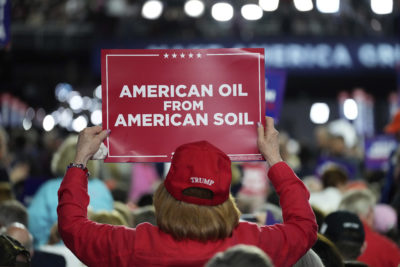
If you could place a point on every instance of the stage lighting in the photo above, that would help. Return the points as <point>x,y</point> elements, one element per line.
<point>222,11</point>
<point>48,123</point>
<point>251,12</point>
<point>382,7</point>
<point>152,9</point>
<point>319,113</point>
<point>194,8</point>
<point>328,6</point>
<point>303,5</point>
<point>350,109</point>
<point>268,5</point>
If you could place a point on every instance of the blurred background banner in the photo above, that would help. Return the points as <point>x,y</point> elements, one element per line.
<point>377,151</point>
<point>300,55</point>
<point>5,19</point>
<point>275,82</point>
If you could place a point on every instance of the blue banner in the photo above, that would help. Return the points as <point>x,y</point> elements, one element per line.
<point>5,18</point>
<point>275,82</point>
<point>377,151</point>
<point>300,55</point>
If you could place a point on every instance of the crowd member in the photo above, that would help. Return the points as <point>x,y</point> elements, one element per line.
<point>309,259</point>
<point>43,208</point>
<point>240,255</point>
<point>19,232</point>
<point>390,187</point>
<point>346,231</point>
<point>4,176</point>
<point>13,211</point>
<point>327,252</point>
<point>379,250</point>
<point>385,222</point>
<point>13,254</point>
<point>334,180</point>
<point>195,217</point>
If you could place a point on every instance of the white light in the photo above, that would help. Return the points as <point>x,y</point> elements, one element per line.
<point>350,109</point>
<point>76,102</point>
<point>194,8</point>
<point>27,124</point>
<point>222,11</point>
<point>382,7</point>
<point>152,9</point>
<point>62,90</point>
<point>48,123</point>
<point>30,113</point>
<point>86,103</point>
<point>65,117</point>
<point>97,92</point>
<point>319,113</point>
<point>95,117</point>
<point>328,6</point>
<point>269,5</point>
<point>79,123</point>
<point>251,12</point>
<point>303,5</point>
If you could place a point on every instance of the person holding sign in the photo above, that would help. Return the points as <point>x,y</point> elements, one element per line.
<point>196,214</point>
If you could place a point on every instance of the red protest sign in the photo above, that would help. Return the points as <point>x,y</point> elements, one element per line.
<point>156,100</point>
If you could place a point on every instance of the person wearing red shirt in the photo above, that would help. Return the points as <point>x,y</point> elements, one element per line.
<point>196,214</point>
<point>378,250</point>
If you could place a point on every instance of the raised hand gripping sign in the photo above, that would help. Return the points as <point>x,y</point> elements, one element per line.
<point>156,100</point>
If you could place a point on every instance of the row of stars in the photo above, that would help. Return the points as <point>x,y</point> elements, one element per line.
<point>182,55</point>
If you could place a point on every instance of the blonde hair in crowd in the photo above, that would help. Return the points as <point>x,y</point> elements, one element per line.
<point>65,155</point>
<point>197,222</point>
<point>358,201</point>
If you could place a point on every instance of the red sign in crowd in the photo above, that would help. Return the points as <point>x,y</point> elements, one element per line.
<point>156,100</point>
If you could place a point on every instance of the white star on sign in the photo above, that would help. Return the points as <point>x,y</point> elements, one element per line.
<point>166,55</point>
<point>174,55</point>
<point>190,55</point>
<point>182,55</point>
<point>198,55</point>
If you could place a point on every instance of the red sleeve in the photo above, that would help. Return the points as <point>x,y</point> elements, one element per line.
<point>94,244</point>
<point>298,232</point>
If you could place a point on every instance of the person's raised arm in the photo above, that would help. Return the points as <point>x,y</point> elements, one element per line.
<point>94,244</point>
<point>298,232</point>
<point>268,141</point>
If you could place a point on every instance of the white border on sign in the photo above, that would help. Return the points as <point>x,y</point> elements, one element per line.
<point>157,55</point>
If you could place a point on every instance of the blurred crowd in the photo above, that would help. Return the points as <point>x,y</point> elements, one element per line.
<point>356,208</point>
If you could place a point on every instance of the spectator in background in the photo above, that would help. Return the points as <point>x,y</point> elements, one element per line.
<point>19,232</point>
<point>327,252</point>
<point>385,221</point>
<point>334,181</point>
<point>4,177</point>
<point>240,255</point>
<point>43,208</point>
<point>346,231</point>
<point>310,259</point>
<point>13,211</point>
<point>379,250</point>
<point>391,184</point>
<point>193,205</point>
<point>13,254</point>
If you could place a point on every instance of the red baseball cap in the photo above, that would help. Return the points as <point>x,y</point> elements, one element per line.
<point>394,126</point>
<point>201,165</point>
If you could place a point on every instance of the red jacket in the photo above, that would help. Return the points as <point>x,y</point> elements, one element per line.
<point>380,251</point>
<point>146,245</point>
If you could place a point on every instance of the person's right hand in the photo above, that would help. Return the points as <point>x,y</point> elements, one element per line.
<point>88,143</point>
<point>268,142</point>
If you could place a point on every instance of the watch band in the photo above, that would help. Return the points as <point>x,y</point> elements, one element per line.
<point>80,166</point>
